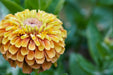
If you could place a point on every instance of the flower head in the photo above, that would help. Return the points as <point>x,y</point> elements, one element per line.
<point>32,40</point>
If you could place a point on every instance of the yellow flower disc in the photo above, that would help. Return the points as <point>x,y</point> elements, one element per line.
<point>32,40</point>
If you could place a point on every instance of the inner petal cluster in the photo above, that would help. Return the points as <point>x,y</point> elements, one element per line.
<point>33,22</point>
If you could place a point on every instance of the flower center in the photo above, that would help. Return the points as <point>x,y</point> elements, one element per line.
<point>32,22</point>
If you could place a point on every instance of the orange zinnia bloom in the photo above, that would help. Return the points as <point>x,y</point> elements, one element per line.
<point>32,40</point>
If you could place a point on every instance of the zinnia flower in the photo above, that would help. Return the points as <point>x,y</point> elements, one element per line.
<point>32,40</point>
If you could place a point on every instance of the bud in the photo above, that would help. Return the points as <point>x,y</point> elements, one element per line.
<point>109,42</point>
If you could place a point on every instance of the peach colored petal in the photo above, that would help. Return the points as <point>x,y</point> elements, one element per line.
<point>47,58</point>
<point>48,38</point>
<point>39,54</point>
<point>64,33</point>
<point>13,49</point>
<point>54,59</point>
<point>14,57</point>
<point>30,55</point>
<point>51,44</point>
<point>20,57</point>
<point>5,40</point>
<point>40,61</point>
<point>37,42</point>
<point>6,46</point>
<point>13,63</point>
<point>41,46</point>
<point>47,44</point>
<point>18,43</point>
<point>20,64</point>
<point>0,40</point>
<point>6,34</point>
<point>4,55</point>
<point>62,51</point>
<point>13,40</point>
<point>31,45</point>
<point>35,66</point>
<point>29,62</point>
<point>46,65</point>
<point>26,68</point>
<point>24,51</point>
<point>58,48</point>
<point>51,53</point>
<point>2,50</point>
<point>54,38</point>
<point>25,42</point>
<point>61,43</point>
<point>12,36</point>
<point>8,54</point>
<point>35,39</point>
<point>2,32</point>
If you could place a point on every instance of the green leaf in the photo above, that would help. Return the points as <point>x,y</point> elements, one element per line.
<point>65,74</point>
<point>17,1</point>
<point>85,65</point>
<point>74,67</point>
<point>106,2</point>
<point>93,36</point>
<point>12,6</point>
<point>104,53</point>
<point>37,4</point>
<point>3,11</point>
<point>55,6</point>
<point>44,4</point>
<point>59,6</point>
<point>47,72</point>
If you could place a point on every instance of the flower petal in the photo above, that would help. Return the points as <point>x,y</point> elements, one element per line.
<point>12,36</point>
<point>13,40</point>
<point>29,62</point>
<point>41,46</point>
<point>62,51</point>
<point>24,51</point>
<point>25,42</point>
<point>40,61</point>
<point>20,64</point>
<point>20,57</point>
<point>31,45</point>
<point>14,57</point>
<point>6,46</point>
<point>35,66</point>
<point>5,40</point>
<point>35,39</point>
<point>18,43</point>
<point>54,38</point>
<point>13,49</point>
<point>57,48</point>
<point>51,44</point>
<point>8,54</point>
<point>2,50</point>
<point>26,68</point>
<point>30,55</point>
<point>54,59</point>
<point>47,44</point>
<point>39,54</point>
<point>47,58</point>
<point>51,53</point>
<point>13,63</point>
<point>46,65</point>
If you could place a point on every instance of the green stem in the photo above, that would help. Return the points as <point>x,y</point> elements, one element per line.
<point>112,25</point>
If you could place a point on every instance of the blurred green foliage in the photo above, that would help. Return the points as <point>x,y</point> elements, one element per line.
<point>89,44</point>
